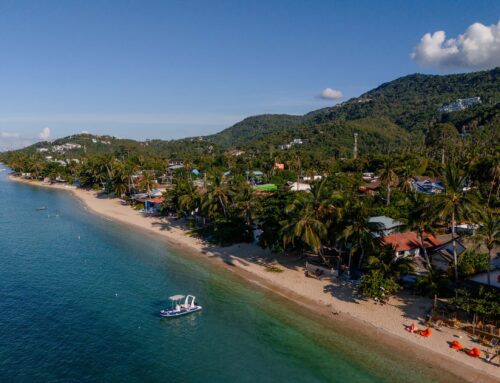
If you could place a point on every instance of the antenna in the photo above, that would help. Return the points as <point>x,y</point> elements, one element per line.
<point>355,149</point>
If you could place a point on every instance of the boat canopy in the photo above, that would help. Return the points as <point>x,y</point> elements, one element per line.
<point>176,297</point>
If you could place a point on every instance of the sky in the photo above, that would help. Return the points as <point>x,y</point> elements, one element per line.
<point>171,69</point>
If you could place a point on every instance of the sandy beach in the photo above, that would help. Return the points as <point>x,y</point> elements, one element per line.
<point>326,298</point>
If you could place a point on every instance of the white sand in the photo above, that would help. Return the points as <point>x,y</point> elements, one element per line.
<point>329,299</point>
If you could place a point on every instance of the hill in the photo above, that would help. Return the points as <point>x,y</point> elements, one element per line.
<point>391,116</point>
<point>411,103</point>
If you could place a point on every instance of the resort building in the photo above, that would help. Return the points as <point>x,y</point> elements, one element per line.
<point>460,104</point>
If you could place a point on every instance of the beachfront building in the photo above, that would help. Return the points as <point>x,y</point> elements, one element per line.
<point>482,278</point>
<point>442,255</point>
<point>408,244</point>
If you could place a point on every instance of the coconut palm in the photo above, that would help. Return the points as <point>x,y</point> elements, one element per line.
<point>304,223</point>
<point>420,220</point>
<point>454,204</point>
<point>358,231</point>
<point>388,176</point>
<point>148,181</point>
<point>489,235</point>
<point>390,265</point>
<point>495,174</point>
<point>217,198</point>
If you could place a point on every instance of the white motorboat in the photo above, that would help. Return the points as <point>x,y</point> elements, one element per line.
<point>179,307</point>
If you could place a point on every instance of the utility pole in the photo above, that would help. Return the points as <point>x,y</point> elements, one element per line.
<point>355,150</point>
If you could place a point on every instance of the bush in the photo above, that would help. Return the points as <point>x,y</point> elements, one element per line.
<point>472,262</point>
<point>375,285</point>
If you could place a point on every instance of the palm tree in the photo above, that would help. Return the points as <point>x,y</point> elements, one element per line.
<point>358,231</point>
<point>454,204</point>
<point>119,181</point>
<point>420,219</point>
<point>244,202</point>
<point>304,224</point>
<point>147,182</point>
<point>406,172</point>
<point>389,177</point>
<point>495,174</point>
<point>489,234</point>
<point>217,198</point>
<point>389,264</point>
<point>187,197</point>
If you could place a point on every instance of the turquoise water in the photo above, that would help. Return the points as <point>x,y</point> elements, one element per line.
<point>80,296</point>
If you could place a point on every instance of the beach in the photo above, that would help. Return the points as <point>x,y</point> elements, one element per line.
<point>324,298</point>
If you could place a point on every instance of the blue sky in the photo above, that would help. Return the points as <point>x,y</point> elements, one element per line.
<point>169,69</point>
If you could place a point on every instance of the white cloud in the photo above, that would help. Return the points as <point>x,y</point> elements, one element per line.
<point>45,133</point>
<point>477,48</point>
<point>331,94</point>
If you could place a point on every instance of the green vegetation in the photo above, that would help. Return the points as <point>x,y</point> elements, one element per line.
<point>401,136</point>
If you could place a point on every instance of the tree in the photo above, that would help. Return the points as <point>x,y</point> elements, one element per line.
<point>390,264</point>
<point>488,234</point>
<point>304,224</point>
<point>420,219</point>
<point>453,204</point>
<point>217,198</point>
<point>358,231</point>
<point>376,285</point>
<point>148,181</point>
<point>388,176</point>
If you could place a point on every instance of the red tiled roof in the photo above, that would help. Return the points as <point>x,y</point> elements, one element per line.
<point>370,186</point>
<point>409,240</point>
<point>155,200</point>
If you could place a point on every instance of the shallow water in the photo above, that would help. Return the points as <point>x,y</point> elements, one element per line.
<point>80,296</point>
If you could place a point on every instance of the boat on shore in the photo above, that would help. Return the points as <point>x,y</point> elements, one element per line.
<point>177,309</point>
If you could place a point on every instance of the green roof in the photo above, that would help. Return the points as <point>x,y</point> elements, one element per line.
<point>266,187</point>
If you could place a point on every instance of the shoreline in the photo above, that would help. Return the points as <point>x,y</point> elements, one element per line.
<point>324,299</point>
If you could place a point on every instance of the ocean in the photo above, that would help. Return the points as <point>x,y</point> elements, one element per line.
<point>80,298</point>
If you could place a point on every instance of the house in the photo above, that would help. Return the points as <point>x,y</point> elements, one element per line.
<point>369,177</point>
<point>152,205</point>
<point>408,244</point>
<point>384,226</point>
<point>299,186</point>
<point>175,163</point>
<point>278,166</point>
<point>311,178</point>
<point>460,104</point>
<point>482,278</point>
<point>427,185</point>
<point>442,255</point>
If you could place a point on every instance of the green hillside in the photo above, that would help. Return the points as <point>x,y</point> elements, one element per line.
<point>387,118</point>
<point>410,103</point>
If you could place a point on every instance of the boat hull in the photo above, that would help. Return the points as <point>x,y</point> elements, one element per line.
<point>178,313</point>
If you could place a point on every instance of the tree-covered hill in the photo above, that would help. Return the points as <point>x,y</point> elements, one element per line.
<point>387,118</point>
<point>410,103</point>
